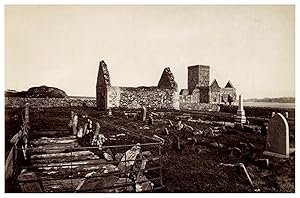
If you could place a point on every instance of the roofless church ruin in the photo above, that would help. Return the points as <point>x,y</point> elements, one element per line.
<point>199,95</point>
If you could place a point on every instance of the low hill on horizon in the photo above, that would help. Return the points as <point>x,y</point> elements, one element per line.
<point>278,100</point>
<point>38,92</point>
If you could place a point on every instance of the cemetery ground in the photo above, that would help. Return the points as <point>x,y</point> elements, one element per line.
<point>202,162</point>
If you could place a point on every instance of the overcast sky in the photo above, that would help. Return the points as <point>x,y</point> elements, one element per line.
<point>61,46</point>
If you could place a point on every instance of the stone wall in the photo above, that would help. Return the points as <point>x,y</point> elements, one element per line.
<point>16,102</point>
<point>103,83</point>
<point>198,78</point>
<point>199,106</point>
<point>164,95</point>
<point>225,92</point>
<point>136,97</point>
<point>193,77</point>
<point>189,98</point>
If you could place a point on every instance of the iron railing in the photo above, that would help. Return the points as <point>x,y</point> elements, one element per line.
<point>75,170</point>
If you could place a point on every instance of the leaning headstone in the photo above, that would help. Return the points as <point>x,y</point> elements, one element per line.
<point>150,120</point>
<point>179,125</point>
<point>96,135</point>
<point>166,131</point>
<point>277,143</point>
<point>129,158</point>
<point>144,113</point>
<point>74,129</point>
<point>85,129</point>
<point>80,132</point>
<point>75,120</point>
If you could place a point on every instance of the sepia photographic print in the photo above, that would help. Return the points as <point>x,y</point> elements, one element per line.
<point>149,98</point>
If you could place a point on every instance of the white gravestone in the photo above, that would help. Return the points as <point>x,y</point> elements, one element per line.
<point>240,117</point>
<point>277,143</point>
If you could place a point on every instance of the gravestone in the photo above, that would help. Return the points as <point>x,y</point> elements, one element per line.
<point>144,113</point>
<point>26,116</point>
<point>240,117</point>
<point>150,120</point>
<point>273,113</point>
<point>277,143</point>
<point>109,112</point>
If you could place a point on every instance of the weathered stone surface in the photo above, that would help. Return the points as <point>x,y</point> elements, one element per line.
<point>150,121</point>
<point>166,131</point>
<point>278,136</point>
<point>144,113</point>
<point>131,155</point>
<point>136,97</point>
<point>165,95</point>
<point>167,80</point>
<point>170,123</point>
<point>62,155</point>
<point>109,168</point>
<point>123,185</point>
<point>80,132</point>
<point>27,186</point>
<point>209,132</point>
<point>118,156</point>
<point>146,185</point>
<point>96,184</point>
<point>17,102</point>
<point>108,157</point>
<point>184,103</point>
<point>103,82</point>
<point>179,125</point>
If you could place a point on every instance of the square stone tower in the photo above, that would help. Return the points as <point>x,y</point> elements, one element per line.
<point>198,77</point>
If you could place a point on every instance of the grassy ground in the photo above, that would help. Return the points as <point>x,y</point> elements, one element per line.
<point>194,168</point>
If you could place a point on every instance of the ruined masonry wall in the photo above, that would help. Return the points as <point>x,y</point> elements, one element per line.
<point>224,92</point>
<point>199,106</point>
<point>189,98</point>
<point>16,102</point>
<point>136,97</point>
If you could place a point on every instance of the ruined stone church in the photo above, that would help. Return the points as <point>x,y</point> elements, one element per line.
<point>200,91</point>
<point>164,95</point>
<point>199,95</point>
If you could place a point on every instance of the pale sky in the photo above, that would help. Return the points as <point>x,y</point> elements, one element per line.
<point>61,46</point>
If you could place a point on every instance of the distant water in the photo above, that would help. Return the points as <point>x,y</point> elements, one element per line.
<point>270,104</point>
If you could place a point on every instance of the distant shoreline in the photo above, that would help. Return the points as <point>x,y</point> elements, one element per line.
<point>283,105</point>
<point>275,100</point>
